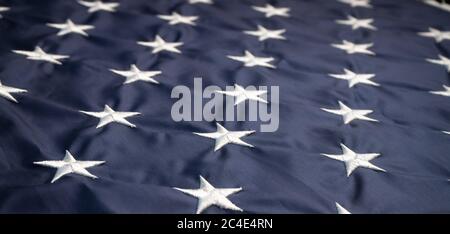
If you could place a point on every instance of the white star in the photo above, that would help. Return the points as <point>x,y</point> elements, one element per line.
<point>159,45</point>
<point>70,165</point>
<point>357,23</point>
<point>208,196</point>
<point>176,18</point>
<point>39,54</point>
<point>241,94</point>
<point>5,91</point>
<point>438,35</point>
<point>135,74</point>
<point>270,10</point>
<point>354,160</point>
<point>349,115</point>
<point>99,6</point>
<point>357,3</point>
<point>70,27</point>
<point>352,48</point>
<point>200,1</point>
<point>224,137</point>
<point>354,78</point>
<point>108,115</point>
<point>442,5</point>
<point>445,92</point>
<point>264,33</point>
<point>341,210</point>
<point>250,60</point>
<point>441,61</point>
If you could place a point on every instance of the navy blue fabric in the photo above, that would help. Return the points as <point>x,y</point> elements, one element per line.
<point>285,172</point>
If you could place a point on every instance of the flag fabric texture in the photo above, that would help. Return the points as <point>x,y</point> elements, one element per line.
<point>85,106</point>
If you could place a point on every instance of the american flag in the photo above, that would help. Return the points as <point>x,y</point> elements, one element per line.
<point>86,102</point>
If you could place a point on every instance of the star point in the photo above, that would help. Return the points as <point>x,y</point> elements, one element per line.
<point>70,165</point>
<point>242,94</point>
<point>201,1</point>
<point>160,44</point>
<point>208,196</point>
<point>176,18</point>
<point>444,61</point>
<point>352,48</point>
<point>355,78</point>
<point>98,5</point>
<point>341,209</point>
<point>357,3</point>
<point>39,54</point>
<point>270,10</point>
<point>354,160</point>
<point>224,137</point>
<point>70,27</point>
<point>356,23</point>
<point>5,91</point>
<point>135,74</point>
<point>250,60</point>
<point>438,35</point>
<point>108,115</point>
<point>445,92</point>
<point>263,33</point>
<point>349,115</point>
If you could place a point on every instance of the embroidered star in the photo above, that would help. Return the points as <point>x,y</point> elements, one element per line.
<point>352,48</point>
<point>354,160</point>
<point>264,33</point>
<point>357,3</point>
<point>108,116</point>
<point>70,27</point>
<point>349,115</point>
<point>135,74</point>
<point>159,45</point>
<point>242,94</point>
<point>224,137</point>
<point>250,60</point>
<point>39,54</point>
<point>438,35</point>
<point>201,1</point>
<point>441,61</point>
<point>5,91</point>
<point>176,18</point>
<point>357,23</point>
<point>270,10</point>
<point>208,196</point>
<point>99,6</point>
<point>445,92</point>
<point>341,210</point>
<point>354,78</point>
<point>70,165</point>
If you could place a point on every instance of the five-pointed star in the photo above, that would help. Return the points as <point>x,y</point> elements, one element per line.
<point>224,137</point>
<point>438,35</point>
<point>98,5</point>
<point>354,78</point>
<point>357,3</point>
<point>70,27</point>
<point>208,196</point>
<point>349,115</point>
<point>108,115</point>
<point>357,23</point>
<point>135,74</point>
<point>250,60</point>
<point>39,54</point>
<point>70,165</point>
<point>441,61</point>
<point>341,209</point>
<point>5,91</point>
<point>270,10</point>
<point>354,160</point>
<point>241,94</point>
<point>352,48</point>
<point>264,33</point>
<point>445,92</point>
<point>201,1</point>
<point>159,45</point>
<point>176,18</point>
